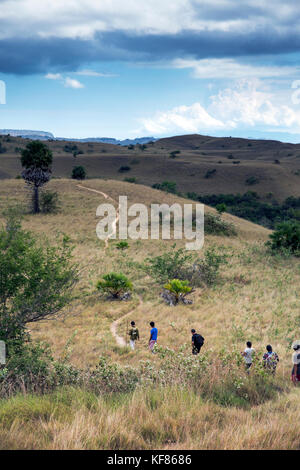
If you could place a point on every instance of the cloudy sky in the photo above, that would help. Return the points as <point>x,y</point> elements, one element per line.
<point>115,68</point>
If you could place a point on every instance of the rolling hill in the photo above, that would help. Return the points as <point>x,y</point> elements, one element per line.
<point>256,298</point>
<point>200,164</point>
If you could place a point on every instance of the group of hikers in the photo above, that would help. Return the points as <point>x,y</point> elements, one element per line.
<point>270,358</point>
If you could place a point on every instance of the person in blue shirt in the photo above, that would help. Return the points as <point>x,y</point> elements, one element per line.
<point>153,337</point>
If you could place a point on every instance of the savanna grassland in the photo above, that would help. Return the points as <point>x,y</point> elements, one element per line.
<point>256,298</point>
<point>196,163</point>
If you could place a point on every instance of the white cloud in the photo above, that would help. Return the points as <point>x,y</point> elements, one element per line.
<point>53,76</point>
<point>181,119</point>
<point>245,106</point>
<point>83,18</point>
<point>93,73</point>
<point>72,83</point>
<point>231,69</point>
<point>68,82</point>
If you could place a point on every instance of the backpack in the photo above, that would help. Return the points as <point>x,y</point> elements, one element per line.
<point>198,340</point>
<point>134,334</point>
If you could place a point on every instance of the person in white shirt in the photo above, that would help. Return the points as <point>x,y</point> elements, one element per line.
<point>248,355</point>
<point>296,362</point>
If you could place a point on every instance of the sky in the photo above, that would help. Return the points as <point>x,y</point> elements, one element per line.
<point>110,68</point>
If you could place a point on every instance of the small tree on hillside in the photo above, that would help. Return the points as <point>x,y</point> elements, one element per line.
<point>78,173</point>
<point>35,280</point>
<point>115,284</point>
<point>286,237</point>
<point>36,159</point>
<point>178,290</point>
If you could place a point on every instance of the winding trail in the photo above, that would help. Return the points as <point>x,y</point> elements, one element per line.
<point>106,196</point>
<point>114,326</point>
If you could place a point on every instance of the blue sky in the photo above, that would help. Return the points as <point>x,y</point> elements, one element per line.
<point>109,68</point>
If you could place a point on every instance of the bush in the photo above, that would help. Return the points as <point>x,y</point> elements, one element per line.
<point>221,208</point>
<point>178,289</point>
<point>210,173</point>
<point>286,237</point>
<point>49,202</point>
<point>122,245</point>
<point>124,169</point>
<point>167,266</point>
<point>167,186</point>
<point>130,180</point>
<point>78,173</point>
<point>114,284</point>
<point>214,225</point>
<point>205,271</point>
<point>252,180</point>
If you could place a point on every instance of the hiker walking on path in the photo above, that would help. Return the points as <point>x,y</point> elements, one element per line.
<point>296,362</point>
<point>197,342</point>
<point>153,337</point>
<point>270,359</point>
<point>248,355</point>
<point>134,335</point>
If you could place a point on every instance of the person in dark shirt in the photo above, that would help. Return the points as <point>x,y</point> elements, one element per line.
<point>197,342</point>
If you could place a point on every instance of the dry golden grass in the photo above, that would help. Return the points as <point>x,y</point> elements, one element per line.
<point>258,300</point>
<point>150,419</point>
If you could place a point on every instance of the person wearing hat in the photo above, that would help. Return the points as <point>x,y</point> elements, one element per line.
<point>296,362</point>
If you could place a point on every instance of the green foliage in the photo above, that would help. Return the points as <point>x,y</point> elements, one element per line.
<point>249,206</point>
<point>130,180</point>
<point>35,280</point>
<point>36,155</point>
<point>206,270</point>
<point>36,159</point>
<point>184,266</point>
<point>115,284</point>
<point>215,225</point>
<point>79,173</point>
<point>49,202</point>
<point>168,266</point>
<point>124,169</point>
<point>167,186</point>
<point>174,153</point>
<point>286,237</point>
<point>179,289</point>
<point>122,245</point>
<point>69,148</point>
<point>252,180</point>
<point>210,173</point>
<point>221,208</point>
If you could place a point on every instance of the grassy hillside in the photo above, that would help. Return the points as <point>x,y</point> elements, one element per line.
<point>273,166</point>
<point>257,298</point>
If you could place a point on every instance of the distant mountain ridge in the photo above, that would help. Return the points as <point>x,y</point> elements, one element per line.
<point>42,135</point>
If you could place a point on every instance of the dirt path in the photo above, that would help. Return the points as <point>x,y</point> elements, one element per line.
<point>114,326</point>
<point>106,196</point>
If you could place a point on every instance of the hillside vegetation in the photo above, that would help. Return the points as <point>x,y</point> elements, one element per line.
<point>189,403</point>
<point>200,164</point>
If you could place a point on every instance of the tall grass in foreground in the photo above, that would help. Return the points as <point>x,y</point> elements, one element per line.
<point>151,418</point>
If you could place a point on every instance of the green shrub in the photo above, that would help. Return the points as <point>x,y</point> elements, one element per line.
<point>178,289</point>
<point>114,284</point>
<point>130,180</point>
<point>252,180</point>
<point>78,173</point>
<point>210,173</point>
<point>221,208</point>
<point>49,202</point>
<point>286,237</point>
<point>168,266</point>
<point>122,245</point>
<point>167,186</point>
<point>124,169</point>
<point>214,225</point>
